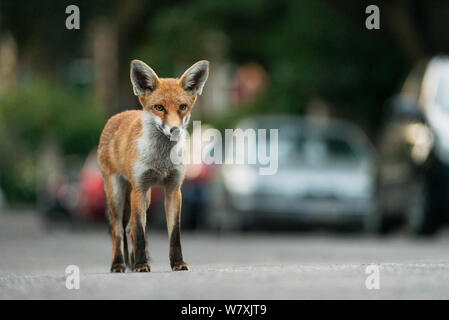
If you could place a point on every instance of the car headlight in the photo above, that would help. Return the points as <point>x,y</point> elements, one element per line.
<point>421,140</point>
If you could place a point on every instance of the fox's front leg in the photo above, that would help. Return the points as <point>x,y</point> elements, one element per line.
<point>173,199</point>
<point>139,206</point>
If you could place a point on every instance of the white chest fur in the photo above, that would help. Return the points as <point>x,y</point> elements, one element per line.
<point>154,165</point>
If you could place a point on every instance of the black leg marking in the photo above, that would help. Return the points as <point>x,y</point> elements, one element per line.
<point>176,261</point>
<point>140,255</point>
<point>175,245</point>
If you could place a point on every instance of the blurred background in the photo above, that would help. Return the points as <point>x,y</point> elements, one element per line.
<point>363,115</point>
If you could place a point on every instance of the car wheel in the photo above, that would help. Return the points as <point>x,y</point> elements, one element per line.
<point>420,219</point>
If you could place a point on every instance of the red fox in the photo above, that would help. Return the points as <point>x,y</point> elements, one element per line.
<point>134,155</point>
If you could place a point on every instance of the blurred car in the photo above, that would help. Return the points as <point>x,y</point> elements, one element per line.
<point>414,151</point>
<point>91,197</point>
<point>74,194</point>
<point>326,174</point>
<point>196,193</point>
<point>58,196</point>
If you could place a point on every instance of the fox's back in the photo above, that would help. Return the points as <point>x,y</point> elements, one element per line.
<point>117,150</point>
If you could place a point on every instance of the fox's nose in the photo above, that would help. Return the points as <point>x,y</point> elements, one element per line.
<point>173,129</point>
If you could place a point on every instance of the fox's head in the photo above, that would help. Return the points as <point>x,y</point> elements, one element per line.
<point>169,100</point>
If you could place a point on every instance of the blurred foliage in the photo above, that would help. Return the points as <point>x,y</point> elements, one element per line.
<point>34,113</point>
<point>309,49</point>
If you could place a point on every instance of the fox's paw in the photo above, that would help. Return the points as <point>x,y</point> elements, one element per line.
<point>118,268</point>
<point>180,266</point>
<point>142,267</point>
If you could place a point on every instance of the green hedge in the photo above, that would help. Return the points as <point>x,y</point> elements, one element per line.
<point>29,115</point>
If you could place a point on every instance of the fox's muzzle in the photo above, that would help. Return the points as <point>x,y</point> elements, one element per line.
<point>175,133</point>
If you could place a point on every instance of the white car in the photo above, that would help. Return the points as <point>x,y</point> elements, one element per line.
<point>326,173</point>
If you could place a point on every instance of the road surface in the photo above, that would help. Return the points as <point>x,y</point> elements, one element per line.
<point>240,266</point>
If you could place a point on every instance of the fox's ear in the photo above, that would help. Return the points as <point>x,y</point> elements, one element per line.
<point>195,77</point>
<point>143,78</point>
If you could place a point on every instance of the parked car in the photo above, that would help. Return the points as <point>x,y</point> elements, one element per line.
<point>326,174</point>
<point>58,197</point>
<point>91,202</point>
<point>414,151</point>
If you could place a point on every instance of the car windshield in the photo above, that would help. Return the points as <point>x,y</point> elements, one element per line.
<point>442,95</point>
<point>312,144</point>
<point>316,148</point>
<point>315,151</point>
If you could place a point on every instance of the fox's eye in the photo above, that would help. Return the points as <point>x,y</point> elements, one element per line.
<point>182,107</point>
<point>159,107</point>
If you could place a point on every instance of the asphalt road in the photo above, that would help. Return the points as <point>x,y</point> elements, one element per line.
<point>240,266</point>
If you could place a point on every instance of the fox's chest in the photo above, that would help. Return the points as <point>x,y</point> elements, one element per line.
<point>154,165</point>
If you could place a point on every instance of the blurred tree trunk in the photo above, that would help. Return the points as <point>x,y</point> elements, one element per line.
<point>105,57</point>
<point>415,26</point>
<point>110,43</point>
<point>404,30</point>
<point>215,97</point>
<point>8,63</point>
<point>438,21</point>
